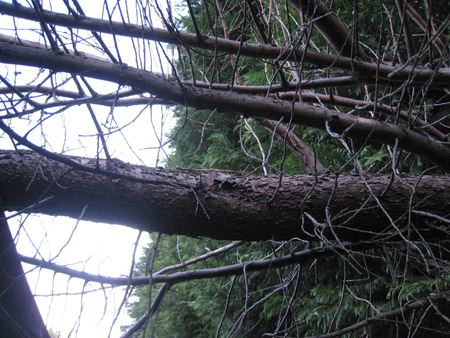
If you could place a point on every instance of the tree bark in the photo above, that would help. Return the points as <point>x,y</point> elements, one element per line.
<point>383,73</point>
<point>227,206</point>
<point>232,103</point>
<point>296,145</point>
<point>19,314</point>
<point>331,27</point>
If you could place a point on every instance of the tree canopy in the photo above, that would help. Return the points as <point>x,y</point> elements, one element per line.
<point>315,134</point>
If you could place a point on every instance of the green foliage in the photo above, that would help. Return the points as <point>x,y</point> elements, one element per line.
<point>311,298</point>
<point>194,309</point>
<point>221,145</point>
<point>416,287</point>
<point>218,149</point>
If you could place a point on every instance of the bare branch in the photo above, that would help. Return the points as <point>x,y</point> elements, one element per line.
<point>331,27</point>
<point>227,102</point>
<point>397,312</point>
<point>390,74</point>
<point>301,257</point>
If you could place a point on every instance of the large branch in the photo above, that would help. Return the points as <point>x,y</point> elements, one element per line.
<point>331,27</point>
<point>118,99</point>
<point>225,206</point>
<point>360,105</point>
<point>383,73</point>
<point>436,40</point>
<point>230,102</point>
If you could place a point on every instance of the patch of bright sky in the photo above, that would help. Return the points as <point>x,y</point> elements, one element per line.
<point>67,305</point>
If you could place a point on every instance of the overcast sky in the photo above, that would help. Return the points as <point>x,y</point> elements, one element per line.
<point>65,304</point>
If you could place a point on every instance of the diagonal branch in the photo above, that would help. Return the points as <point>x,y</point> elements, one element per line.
<point>360,105</point>
<point>299,148</point>
<point>118,100</point>
<point>228,102</point>
<point>397,312</point>
<point>388,74</point>
<point>200,258</point>
<point>437,41</point>
<point>153,308</point>
<point>331,27</point>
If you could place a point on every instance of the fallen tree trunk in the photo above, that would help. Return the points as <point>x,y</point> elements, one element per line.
<point>227,205</point>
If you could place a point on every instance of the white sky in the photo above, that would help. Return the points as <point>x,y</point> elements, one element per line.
<point>96,248</point>
<point>102,249</point>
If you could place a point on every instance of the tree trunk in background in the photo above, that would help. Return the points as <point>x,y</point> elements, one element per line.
<point>227,205</point>
<point>19,314</point>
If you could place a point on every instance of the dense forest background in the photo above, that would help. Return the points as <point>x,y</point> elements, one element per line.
<point>298,300</point>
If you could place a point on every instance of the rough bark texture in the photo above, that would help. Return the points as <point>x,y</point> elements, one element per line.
<point>389,74</point>
<point>224,205</point>
<point>232,103</point>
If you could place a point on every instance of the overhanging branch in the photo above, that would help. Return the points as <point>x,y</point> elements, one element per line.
<point>389,74</point>
<point>301,257</point>
<point>224,205</point>
<point>229,102</point>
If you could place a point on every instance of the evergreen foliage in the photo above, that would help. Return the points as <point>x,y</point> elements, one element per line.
<point>258,58</point>
<point>325,294</point>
